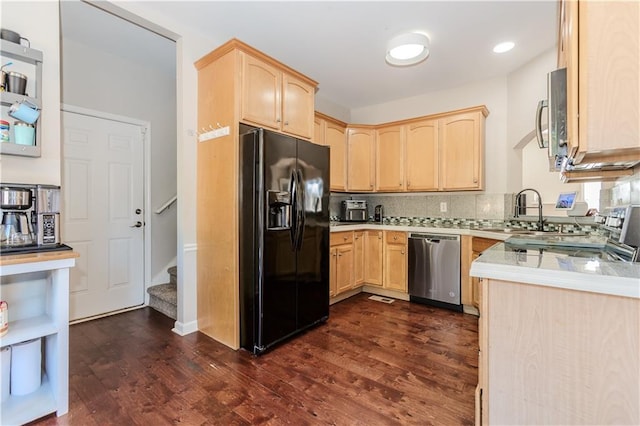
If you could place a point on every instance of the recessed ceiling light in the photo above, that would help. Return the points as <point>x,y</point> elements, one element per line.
<point>407,49</point>
<point>503,47</point>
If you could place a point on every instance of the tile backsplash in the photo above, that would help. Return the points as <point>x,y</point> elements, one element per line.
<point>467,206</point>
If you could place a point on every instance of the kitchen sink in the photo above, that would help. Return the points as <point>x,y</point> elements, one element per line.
<point>530,232</point>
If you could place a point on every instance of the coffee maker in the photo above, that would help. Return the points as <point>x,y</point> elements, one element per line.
<point>30,217</point>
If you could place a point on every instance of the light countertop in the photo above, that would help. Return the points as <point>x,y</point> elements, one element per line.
<point>545,268</point>
<point>447,230</point>
<point>31,262</point>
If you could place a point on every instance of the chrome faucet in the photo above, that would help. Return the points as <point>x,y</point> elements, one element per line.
<point>516,213</point>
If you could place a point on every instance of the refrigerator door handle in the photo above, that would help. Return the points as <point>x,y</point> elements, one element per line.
<point>294,206</point>
<point>300,209</point>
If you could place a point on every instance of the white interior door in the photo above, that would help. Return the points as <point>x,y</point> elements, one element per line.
<point>103,218</point>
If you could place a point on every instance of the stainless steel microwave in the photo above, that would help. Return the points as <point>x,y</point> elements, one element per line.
<point>556,106</point>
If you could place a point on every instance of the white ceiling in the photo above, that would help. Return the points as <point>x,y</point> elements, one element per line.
<point>342,44</point>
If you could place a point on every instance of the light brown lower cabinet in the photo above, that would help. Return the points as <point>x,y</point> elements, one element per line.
<point>373,248</point>
<point>556,356</point>
<point>395,261</point>
<point>358,258</point>
<point>478,245</point>
<point>341,266</point>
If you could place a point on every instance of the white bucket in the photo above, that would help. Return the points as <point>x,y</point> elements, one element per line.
<point>5,372</point>
<point>26,360</point>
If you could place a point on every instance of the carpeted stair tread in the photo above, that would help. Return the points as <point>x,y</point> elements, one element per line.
<point>164,298</point>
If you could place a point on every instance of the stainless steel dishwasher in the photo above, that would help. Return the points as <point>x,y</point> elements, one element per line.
<point>434,270</point>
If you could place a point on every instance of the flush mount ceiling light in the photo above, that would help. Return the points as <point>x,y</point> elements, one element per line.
<point>407,49</point>
<point>503,47</point>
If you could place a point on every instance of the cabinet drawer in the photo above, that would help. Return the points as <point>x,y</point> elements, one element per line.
<point>396,237</point>
<point>480,244</point>
<point>337,238</point>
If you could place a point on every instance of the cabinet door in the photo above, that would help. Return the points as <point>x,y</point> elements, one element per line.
<point>318,131</point>
<point>344,268</point>
<point>389,156</point>
<point>373,258</point>
<point>261,91</point>
<point>297,107</point>
<point>461,151</point>
<point>335,138</point>
<point>395,261</point>
<point>358,257</point>
<point>360,159</point>
<point>421,154</point>
<point>608,82</point>
<point>333,273</point>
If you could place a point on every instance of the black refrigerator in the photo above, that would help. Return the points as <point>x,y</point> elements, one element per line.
<point>284,237</point>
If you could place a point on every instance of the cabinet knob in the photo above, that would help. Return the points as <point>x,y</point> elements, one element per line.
<point>475,180</point>
<point>400,184</point>
<point>371,186</point>
<point>408,184</point>
<point>277,120</point>
<point>395,238</point>
<point>286,123</point>
<point>402,252</point>
<point>345,238</point>
<point>339,254</point>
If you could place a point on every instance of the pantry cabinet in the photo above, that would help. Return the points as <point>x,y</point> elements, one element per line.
<point>341,267</point>
<point>276,99</point>
<point>390,158</point>
<point>373,258</point>
<point>333,133</point>
<point>598,44</point>
<point>36,288</point>
<point>236,83</point>
<point>360,159</point>
<point>395,261</point>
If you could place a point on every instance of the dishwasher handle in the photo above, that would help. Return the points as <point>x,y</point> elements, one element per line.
<point>434,238</point>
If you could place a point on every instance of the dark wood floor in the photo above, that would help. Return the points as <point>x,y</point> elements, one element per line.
<point>371,364</point>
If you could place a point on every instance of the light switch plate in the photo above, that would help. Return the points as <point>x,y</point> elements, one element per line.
<point>443,207</point>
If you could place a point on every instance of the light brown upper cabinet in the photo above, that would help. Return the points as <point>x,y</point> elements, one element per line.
<point>461,151</point>
<point>599,45</point>
<point>360,159</point>
<point>333,133</point>
<point>390,159</point>
<point>421,156</point>
<point>276,99</point>
<point>440,152</point>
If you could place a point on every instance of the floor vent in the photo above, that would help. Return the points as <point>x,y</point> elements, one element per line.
<point>381,299</point>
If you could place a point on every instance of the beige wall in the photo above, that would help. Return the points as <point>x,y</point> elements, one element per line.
<point>40,25</point>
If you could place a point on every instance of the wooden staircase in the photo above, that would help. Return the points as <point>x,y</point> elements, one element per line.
<point>164,297</point>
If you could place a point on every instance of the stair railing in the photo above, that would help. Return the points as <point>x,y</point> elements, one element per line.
<point>166,205</point>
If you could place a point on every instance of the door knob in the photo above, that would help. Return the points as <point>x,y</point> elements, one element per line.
<point>138,211</point>
<point>137,225</point>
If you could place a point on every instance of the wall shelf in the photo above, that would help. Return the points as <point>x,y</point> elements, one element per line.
<point>18,53</point>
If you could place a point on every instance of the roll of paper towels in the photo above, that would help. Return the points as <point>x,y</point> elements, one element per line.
<point>5,372</point>
<point>26,360</point>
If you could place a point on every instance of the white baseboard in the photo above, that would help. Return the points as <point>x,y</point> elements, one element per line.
<point>182,329</point>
